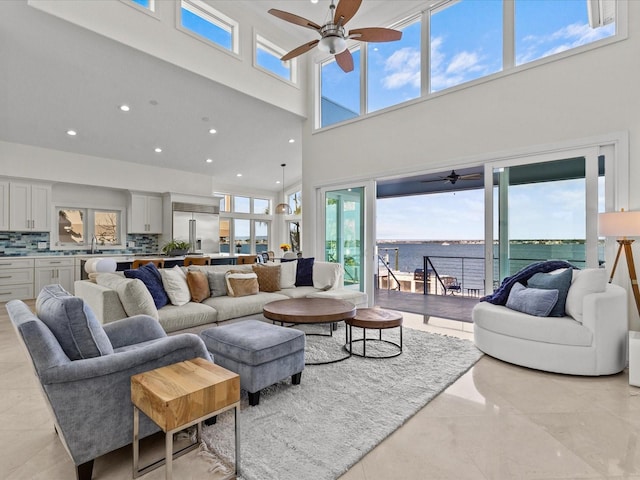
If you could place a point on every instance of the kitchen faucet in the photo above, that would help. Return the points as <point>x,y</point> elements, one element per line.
<point>94,244</point>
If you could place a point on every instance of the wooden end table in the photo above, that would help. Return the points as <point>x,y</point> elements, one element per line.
<point>178,396</point>
<point>373,318</point>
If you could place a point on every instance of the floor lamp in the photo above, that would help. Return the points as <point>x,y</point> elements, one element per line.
<point>622,225</point>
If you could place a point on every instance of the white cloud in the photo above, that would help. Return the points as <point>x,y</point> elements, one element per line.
<point>565,38</point>
<point>403,68</point>
<point>461,67</point>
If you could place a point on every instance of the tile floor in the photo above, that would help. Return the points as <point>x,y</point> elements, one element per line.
<point>498,421</point>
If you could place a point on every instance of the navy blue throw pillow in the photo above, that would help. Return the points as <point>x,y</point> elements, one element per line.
<point>304,272</point>
<point>150,276</point>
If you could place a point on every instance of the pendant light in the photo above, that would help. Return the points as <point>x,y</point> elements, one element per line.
<point>283,208</point>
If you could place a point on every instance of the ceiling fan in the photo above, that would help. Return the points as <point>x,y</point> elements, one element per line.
<point>453,177</point>
<point>333,34</point>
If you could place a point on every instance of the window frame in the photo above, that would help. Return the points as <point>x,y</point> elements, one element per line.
<point>89,227</point>
<point>276,51</point>
<point>152,11</point>
<point>213,16</point>
<point>508,64</point>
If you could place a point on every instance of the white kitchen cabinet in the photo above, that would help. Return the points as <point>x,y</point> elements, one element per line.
<point>16,279</point>
<point>145,214</point>
<point>29,207</point>
<point>4,205</point>
<point>54,270</point>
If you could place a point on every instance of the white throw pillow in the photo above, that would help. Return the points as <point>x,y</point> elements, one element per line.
<point>584,282</point>
<point>325,275</point>
<point>175,284</point>
<point>288,274</point>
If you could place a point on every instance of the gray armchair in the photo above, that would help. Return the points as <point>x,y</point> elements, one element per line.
<point>89,397</point>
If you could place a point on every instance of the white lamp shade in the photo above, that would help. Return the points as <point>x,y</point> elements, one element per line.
<point>96,265</point>
<point>619,224</point>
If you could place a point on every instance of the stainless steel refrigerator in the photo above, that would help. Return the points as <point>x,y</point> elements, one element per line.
<point>199,225</point>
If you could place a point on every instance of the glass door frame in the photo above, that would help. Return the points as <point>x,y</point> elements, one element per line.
<point>590,153</point>
<point>368,216</point>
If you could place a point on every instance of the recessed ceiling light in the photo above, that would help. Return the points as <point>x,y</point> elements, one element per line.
<point>209,160</point>
<point>278,181</point>
<point>212,131</point>
<point>125,108</point>
<point>291,140</point>
<point>314,1</point>
<point>238,174</point>
<point>72,133</point>
<point>157,150</point>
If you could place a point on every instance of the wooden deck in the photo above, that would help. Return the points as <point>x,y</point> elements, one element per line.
<point>453,307</point>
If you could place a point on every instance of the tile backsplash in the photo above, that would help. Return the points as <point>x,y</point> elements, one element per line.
<point>26,243</point>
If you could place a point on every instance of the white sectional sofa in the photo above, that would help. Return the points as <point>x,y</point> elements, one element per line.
<point>107,303</point>
<point>591,342</point>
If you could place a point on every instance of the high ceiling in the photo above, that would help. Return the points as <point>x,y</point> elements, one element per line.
<point>57,76</point>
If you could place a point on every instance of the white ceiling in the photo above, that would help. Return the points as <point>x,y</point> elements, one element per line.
<point>57,76</point>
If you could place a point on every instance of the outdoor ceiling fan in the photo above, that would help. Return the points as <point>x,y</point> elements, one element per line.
<point>333,34</point>
<point>453,177</point>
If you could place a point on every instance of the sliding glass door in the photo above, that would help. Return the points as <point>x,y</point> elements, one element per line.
<point>541,208</point>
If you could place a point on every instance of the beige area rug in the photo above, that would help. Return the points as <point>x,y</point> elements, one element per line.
<point>317,430</point>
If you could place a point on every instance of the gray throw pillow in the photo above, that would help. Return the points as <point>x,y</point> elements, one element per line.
<point>217,284</point>
<point>533,301</point>
<point>554,281</point>
<point>73,324</point>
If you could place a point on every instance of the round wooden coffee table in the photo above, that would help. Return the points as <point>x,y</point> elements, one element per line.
<point>373,318</point>
<point>311,311</point>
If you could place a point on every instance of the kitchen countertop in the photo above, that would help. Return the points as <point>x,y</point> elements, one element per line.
<point>124,257</point>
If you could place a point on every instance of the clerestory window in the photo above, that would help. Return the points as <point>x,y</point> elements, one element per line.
<point>267,57</point>
<point>199,18</point>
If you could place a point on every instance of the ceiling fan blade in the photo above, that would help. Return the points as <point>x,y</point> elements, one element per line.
<point>471,176</point>
<point>300,50</point>
<point>346,9</point>
<point>345,61</point>
<point>295,19</point>
<point>375,34</point>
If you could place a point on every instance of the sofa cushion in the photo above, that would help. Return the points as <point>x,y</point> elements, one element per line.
<point>268,277</point>
<point>288,274</point>
<point>356,297</point>
<point>175,284</point>
<point>173,318</point>
<point>534,301</point>
<point>198,286</point>
<point>555,330</point>
<point>241,284</point>
<point>232,307</point>
<point>590,280</point>
<point>298,292</point>
<point>560,281</point>
<point>150,276</point>
<point>72,323</point>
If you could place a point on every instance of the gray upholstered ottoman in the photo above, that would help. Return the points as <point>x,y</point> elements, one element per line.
<point>261,353</point>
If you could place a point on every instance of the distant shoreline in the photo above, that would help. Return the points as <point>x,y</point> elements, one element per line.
<point>481,242</point>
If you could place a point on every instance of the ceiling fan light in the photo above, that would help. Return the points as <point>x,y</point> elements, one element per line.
<point>332,44</point>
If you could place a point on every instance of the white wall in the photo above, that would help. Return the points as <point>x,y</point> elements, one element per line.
<point>25,161</point>
<point>158,36</point>
<point>586,95</point>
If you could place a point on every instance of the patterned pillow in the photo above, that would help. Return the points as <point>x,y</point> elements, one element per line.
<point>198,286</point>
<point>241,284</point>
<point>268,277</point>
<point>73,324</point>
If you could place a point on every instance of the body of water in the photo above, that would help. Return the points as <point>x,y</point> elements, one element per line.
<point>465,261</point>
